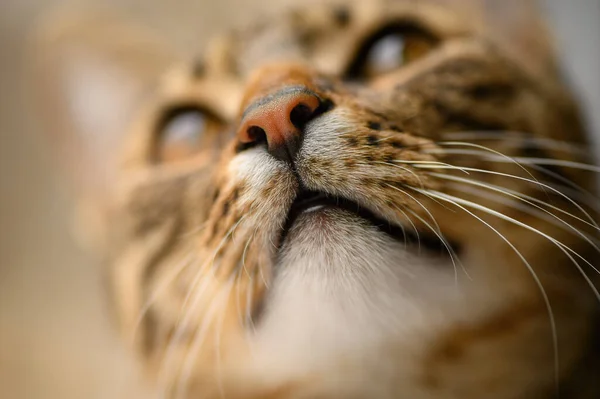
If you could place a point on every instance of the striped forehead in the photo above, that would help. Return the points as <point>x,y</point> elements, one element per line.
<point>326,36</point>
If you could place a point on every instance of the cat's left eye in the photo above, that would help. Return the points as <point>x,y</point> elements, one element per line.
<point>183,132</point>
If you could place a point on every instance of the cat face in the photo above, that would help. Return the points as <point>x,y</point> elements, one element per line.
<point>362,200</point>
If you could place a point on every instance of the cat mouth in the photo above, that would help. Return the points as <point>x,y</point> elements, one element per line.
<point>314,201</point>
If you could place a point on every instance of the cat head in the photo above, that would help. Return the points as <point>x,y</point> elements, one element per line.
<point>365,199</point>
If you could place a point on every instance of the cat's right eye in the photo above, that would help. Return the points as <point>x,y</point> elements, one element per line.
<point>183,132</point>
<point>391,48</point>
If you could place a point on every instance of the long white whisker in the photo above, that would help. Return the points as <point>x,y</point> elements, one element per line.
<point>173,273</point>
<point>413,226</point>
<point>246,320</point>
<point>432,164</point>
<point>576,190</point>
<point>248,315</point>
<point>246,250</point>
<point>521,160</point>
<point>453,256</point>
<point>564,248</point>
<point>519,138</point>
<point>404,169</point>
<point>418,202</point>
<point>487,149</point>
<point>538,282</point>
<point>533,182</point>
<point>542,213</point>
<point>195,230</point>
<point>401,225</point>
<point>533,163</point>
<point>183,323</point>
<point>218,330</point>
<point>512,193</point>
<point>199,337</point>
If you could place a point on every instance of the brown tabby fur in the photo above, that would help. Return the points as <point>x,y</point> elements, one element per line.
<point>218,304</point>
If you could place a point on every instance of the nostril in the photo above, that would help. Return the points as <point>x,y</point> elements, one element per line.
<point>253,136</point>
<point>257,135</point>
<point>300,115</point>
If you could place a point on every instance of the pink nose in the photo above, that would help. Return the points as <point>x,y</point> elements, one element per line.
<point>278,118</point>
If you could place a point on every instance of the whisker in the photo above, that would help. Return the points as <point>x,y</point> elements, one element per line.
<point>249,294</point>
<point>170,278</point>
<point>218,331</point>
<point>198,340</point>
<point>512,193</point>
<point>191,304</point>
<point>575,191</point>
<point>453,256</point>
<point>432,164</point>
<point>228,236</point>
<point>413,226</point>
<point>413,173</point>
<point>174,272</point>
<point>572,189</point>
<point>486,149</point>
<point>559,162</point>
<point>522,160</point>
<point>537,164</point>
<point>564,248</point>
<point>180,326</point>
<point>261,271</point>
<point>238,296</point>
<point>535,182</point>
<point>543,215</point>
<point>250,239</point>
<point>418,202</point>
<point>246,320</point>
<point>452,200</point>
<point>195,230</point>
<point>402,229</point>
<point>520,138</point>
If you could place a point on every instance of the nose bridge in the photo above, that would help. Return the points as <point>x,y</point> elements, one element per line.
<point>274,77</point>
<point>279,100</point>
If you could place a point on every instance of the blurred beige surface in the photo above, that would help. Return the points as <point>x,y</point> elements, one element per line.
<point>55,338</point>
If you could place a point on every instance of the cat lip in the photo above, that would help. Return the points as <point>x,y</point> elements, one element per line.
<point>308,201</point>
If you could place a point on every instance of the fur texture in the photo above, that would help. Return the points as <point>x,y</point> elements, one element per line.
<point>472,275</point>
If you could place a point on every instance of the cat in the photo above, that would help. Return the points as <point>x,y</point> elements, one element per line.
<point>369,199</point>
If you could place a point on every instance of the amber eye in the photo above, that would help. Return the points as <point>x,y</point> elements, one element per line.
<point>390,49</point>
<point>184,132</point>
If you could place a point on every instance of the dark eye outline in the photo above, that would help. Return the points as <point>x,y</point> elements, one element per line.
<point>169,114</point>
<point>356,69</point>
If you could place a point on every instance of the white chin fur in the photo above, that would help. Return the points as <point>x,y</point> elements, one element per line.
<point>342,291</point>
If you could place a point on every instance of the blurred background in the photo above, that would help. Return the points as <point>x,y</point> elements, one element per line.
<point>55,338</point>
